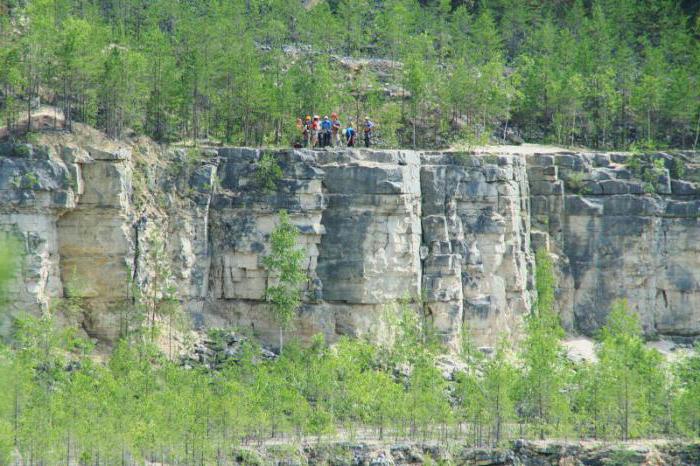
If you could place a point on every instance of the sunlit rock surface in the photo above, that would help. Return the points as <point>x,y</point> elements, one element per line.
<point>453,234</point>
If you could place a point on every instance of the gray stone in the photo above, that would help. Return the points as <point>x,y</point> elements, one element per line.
<point>577,205</point>
<point>613,187</point>
<point>575,162</point>
<point>542,160</point>
<point>547,173</point>
<point>601,160</point>
<point>375,226</point>
<point>622,174</point>
<point>547,188</point>
<point>683,188</point>
<point>620,158</point>
<point>663,184</point>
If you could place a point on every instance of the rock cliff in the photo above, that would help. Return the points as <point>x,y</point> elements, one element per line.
<point>454,233</point>
<point>518,453</point>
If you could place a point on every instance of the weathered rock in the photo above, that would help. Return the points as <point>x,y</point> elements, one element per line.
<point>518,453</point>
<point>620,242</point>
<point>455,233</point>
<point>683,188</point>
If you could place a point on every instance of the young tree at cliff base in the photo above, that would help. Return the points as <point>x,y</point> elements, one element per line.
<point>286,273</point>
<point>543,374</point>
<point>631,375</point>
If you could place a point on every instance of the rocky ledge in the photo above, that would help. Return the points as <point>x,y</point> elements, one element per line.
<point>519,453</point>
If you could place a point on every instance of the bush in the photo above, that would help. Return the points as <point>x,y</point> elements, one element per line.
<point>677,170</point>
<point>576,182</point>
<point>268,173</point>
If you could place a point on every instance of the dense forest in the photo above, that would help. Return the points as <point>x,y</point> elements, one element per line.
<point>596,73</point>
<point>62,404</point>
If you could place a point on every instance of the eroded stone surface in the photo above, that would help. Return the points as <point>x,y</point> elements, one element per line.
<point>618,236</point>
<point>453,233</point>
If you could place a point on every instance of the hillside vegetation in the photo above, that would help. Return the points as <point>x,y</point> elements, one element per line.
<point>599,73</point>
<point>58,405</point>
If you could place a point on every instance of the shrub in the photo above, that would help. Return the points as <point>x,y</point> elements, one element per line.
<point>576,182</point>
<point>677,170</point>
<point>268,173</point>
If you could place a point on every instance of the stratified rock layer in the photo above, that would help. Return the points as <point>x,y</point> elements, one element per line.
<point>517,453</point>
<point>620,237</point>
<point>453,234</point>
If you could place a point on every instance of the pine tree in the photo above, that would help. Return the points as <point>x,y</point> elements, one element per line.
<point>687,401</point>
<point>631,375</point>
<point>286,274</point>
<point>544,374</point>
<point>498,387</point>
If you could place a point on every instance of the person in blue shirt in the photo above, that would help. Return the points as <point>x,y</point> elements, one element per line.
<point>368,131</point>
<point>326,132</point>
<point>350,135</point>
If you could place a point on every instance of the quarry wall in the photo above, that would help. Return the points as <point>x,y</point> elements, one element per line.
<point>452,233</point>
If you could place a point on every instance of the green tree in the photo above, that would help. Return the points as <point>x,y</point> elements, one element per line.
<point>10,80</point>
<point>287,275</point>
<point>498,386</point>
<point>415,81</point>
<point>543,376</point>
<point>648,95</point>
<point>121,92</point>
<point>160,296</point>
<point>75,55</point>
<point>687,401</point>
<point>164,97</point>
<point>631,375</point>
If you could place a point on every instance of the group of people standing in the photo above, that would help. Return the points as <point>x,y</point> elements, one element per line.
<point>327,132</point>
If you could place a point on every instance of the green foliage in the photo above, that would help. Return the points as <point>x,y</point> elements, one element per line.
<point>677,170</point>
<point>589,74</point>
<point>634,163</point>
<point>686,406</point>
<point>498,389</point>
<point>287,275</point>
<point>544,374</point>
<point>61,406</point>
<point>268,173</point>
<point>576,182</point>
<point>630,378</point>
<point>651,175</point>
<point>9,261</point>
<point>21,150</point>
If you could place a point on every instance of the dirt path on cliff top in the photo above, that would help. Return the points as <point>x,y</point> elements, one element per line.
<point>48,118</point>
<point>524,149</point>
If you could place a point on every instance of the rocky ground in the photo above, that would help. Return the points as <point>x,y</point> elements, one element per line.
<point>517,453</point>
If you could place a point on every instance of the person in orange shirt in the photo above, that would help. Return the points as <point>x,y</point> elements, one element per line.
<point>335,129</point>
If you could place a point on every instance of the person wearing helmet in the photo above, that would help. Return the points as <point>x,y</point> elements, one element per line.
<point>335,129</point>
<point>307,130</point>
<point>350,134</point>
<point>368,131</point>
<point>325,132</point>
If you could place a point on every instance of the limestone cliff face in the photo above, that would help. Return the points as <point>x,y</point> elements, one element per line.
<point>621,237</point>
<point>453,233</point>
<point>377,226</point>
